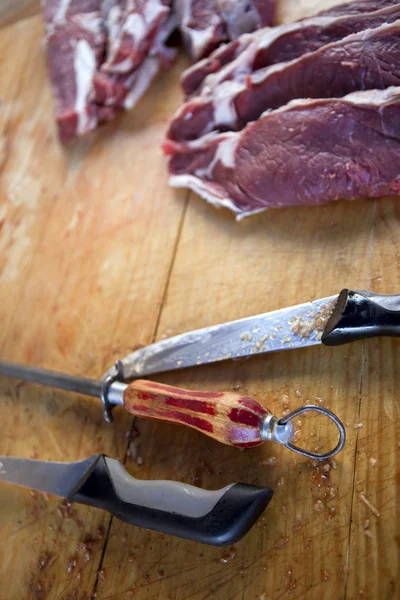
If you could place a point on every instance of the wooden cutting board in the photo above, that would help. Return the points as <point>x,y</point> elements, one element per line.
<point>97,257</point>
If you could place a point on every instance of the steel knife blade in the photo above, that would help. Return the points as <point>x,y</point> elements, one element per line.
<point>334,320</point>
<point>294,327</point>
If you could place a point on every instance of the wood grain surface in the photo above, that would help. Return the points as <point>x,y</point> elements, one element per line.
<point>16,10</point>
<point>97,257</point>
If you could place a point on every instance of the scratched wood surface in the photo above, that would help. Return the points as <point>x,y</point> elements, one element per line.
<point>98,256</point>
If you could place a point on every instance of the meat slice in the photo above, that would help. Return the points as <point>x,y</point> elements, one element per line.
<point>75,43</point>
<point>309,152</point>
<point>137,31</point>
<point>125,90</point>
<point>280,44</point>
<point>102,56</point>
<point>357,7</point>
<point>206,24</point>
<point>366,60</point>
<point>132,26</point>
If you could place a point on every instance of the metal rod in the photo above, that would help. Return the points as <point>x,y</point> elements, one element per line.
<point>79,385</point>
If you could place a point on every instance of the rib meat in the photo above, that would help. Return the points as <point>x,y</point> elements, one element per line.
<point>366,60</point>
<point>280,44</point>
<point>102,56</point>
<point>75,42</point>
<point>309,152</point>
<point>205,24</point>
<point>132,26</point>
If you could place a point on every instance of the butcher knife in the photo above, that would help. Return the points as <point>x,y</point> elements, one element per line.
<point>332,321</point>
<point>216,518</point>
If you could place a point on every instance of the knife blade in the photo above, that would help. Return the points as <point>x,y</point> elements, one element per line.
<point>217,517</point>
<point>334,320</point>
<point>268,332</point>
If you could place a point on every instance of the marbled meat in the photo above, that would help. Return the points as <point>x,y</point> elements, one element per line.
<point>366,60</point>
<point>102,55</point>
<point>206,24</point>
<point>270,46</point>
<point>308,152</point>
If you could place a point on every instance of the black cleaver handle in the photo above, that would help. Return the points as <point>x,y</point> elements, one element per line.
<point>217,518</point>
<point>359,315</point>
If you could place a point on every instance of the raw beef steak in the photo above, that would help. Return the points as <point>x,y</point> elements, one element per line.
<point>270,46</point>
<point>366,60</point>
<point>309,152</point>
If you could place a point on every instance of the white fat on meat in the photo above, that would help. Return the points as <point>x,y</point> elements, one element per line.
<point>203,189</point>
<point>90,22</point>
<point>199,38</point>
<point>153,10</point>
<point>238,18</point>
<point>225,154</point>
<point>239,67</point>
<point>62,9</point>
<point>142,80</point>
<point>85,68</point>
<point>134,24</point>
<point>224,108</point>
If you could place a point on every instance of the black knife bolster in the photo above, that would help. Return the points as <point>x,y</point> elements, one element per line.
<point>230,519</point>
<point>360,315</point>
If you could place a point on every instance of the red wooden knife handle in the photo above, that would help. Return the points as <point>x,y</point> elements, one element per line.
<point>225,416</point>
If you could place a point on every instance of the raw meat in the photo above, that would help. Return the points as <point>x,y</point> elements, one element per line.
<point>279,44</point>
<point>358,7</point>
<point>205,24</point>
<point>309,152</point>
<point>102,55</point>
<point>366,60</point>
<point>137,30</point>
<point>75,42</point>
<point>132,26</point>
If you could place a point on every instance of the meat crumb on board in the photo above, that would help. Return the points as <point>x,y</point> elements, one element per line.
<point>305,329</point>
<point>45,561</point>
<point>372,462</point>
<point>319,506</point>
<point>369,504</point>
<point>292,583</point>
<point>270,462</point>
<point>228,556</point>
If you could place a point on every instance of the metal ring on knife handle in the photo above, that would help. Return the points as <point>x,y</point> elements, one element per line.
<point>284,421</point>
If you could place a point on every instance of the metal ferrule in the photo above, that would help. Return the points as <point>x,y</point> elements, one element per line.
<point>112,392</point>
<point>116,393</point>
<point>273,431</point>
